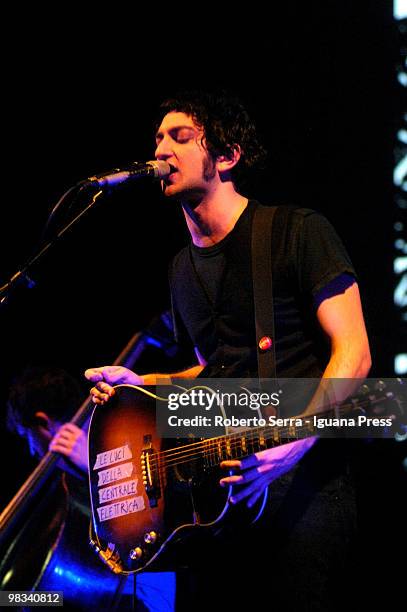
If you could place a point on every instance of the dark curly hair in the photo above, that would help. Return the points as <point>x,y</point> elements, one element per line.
<point>225,123</point>
<point>49,389</point>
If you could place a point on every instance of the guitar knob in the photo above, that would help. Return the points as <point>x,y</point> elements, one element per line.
<point>380,385</point>
<point>136,553</point>
<point>150,537</point>
<point>364,390</point>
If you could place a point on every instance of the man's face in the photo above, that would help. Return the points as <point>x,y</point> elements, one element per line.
<point>39,435</point>
<point>37,440</point>
<point>179,142</point>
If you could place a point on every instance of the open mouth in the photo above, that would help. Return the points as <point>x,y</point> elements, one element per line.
<point>171,175</point>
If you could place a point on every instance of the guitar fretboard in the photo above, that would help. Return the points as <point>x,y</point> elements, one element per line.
<point>239,444</point>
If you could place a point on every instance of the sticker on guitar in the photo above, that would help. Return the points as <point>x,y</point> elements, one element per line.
<point>128,506</point>
<point>114,455</point>
<point>117,491</point>
<point>119,472</point>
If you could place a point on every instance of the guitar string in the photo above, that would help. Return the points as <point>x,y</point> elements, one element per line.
<point>237,436</point>
<point>216,447</point>
<point>231,440</point>
<point>214,450</point>
<point>336,409</point>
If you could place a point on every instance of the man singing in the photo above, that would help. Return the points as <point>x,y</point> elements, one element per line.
<point>210,142</point>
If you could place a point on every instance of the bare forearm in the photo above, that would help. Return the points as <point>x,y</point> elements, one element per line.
<point>156,378</point>
<point>342,377</point>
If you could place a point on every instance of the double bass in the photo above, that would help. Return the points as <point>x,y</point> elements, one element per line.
<point>44,532</point>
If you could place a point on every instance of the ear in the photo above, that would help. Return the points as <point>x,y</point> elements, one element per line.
<point>44,424</point>
<point>225,163</point>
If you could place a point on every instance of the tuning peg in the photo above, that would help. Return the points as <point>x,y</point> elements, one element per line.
<point>380,385</point>
<point>364,390</point>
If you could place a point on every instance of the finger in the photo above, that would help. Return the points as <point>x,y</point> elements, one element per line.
<point>70,435</point>
<point>66,429</point>
<point>72,428</point>
<point>66,443</point>
<point>230,464</point>
<point>231,480</point>
<point>254,497</point>
<point>94,374</point>
<point>98,401</point>
<point>98,397</point>
<point>62,435</point>
<point>106,388</point>
<point>57,447</point>
<point>243,478</point>
<point>258,484</point>
<point>250,461</point>
<point>66,438</point>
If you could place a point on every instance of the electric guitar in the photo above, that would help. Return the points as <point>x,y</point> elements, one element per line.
<point>149,493</point>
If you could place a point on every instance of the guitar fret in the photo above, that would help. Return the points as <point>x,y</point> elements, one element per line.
<point>292,432</point>
<point>228,449</point>
<point>208,453</point>
<point>235,447</point>
<point>254,440</point>
<point>258,447</point>
<point>215,452</point>
<point>242,451</point>
<point>219,450</point>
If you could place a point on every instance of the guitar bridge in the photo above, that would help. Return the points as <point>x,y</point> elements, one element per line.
<point>149,469</point>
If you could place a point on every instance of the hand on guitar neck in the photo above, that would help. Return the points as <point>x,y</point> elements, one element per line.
<point>254,473</point>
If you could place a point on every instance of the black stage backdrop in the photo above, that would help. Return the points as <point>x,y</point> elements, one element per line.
<point>320,79</point>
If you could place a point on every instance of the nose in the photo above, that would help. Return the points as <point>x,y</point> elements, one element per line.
<point>163,150</point>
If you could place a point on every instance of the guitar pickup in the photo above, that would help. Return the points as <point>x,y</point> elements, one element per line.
<point>150,472</point>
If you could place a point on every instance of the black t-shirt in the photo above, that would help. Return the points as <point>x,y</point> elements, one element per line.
<point>212,294</point>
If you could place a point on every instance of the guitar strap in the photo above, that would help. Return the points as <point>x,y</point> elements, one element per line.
<point>263,290</point>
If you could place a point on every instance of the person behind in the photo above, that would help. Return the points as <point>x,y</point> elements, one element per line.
<point>41,402</point>
<point>210,141</point>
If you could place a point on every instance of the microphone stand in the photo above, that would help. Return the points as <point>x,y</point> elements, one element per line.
<point>21,277</point>
<point>23,501</point>
<point>153,169</point>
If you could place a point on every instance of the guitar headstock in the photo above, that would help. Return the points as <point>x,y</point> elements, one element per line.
<point>384,397</point>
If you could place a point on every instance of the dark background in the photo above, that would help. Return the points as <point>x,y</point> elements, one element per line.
<point>320,80</point>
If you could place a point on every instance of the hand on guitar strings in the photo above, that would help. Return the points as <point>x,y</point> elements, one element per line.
<point>105,377</point>
<point>256,472</point>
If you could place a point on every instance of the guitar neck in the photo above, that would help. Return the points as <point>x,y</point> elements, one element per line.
<point>272,433</point>
<point>244,442</point>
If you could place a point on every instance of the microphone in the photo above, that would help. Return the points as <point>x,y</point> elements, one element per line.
<point>154,169</point>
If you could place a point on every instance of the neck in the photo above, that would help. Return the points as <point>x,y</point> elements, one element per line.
<point>215,215</point>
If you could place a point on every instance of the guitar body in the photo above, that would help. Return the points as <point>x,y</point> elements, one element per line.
<point>144,498</point>
<point>148,494</point>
